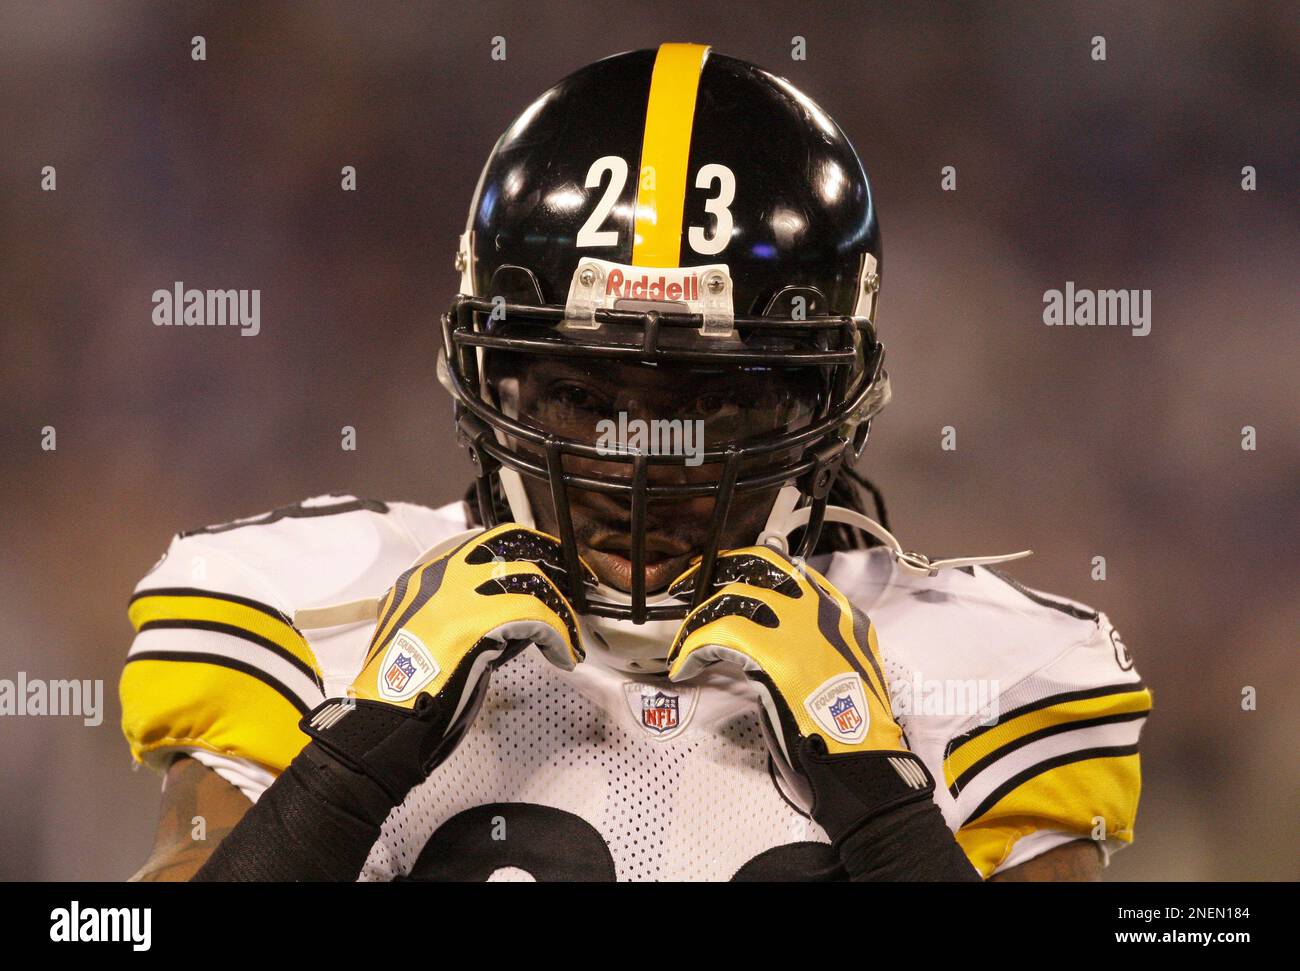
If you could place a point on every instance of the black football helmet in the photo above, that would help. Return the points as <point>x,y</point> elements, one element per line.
<point>669,207</point>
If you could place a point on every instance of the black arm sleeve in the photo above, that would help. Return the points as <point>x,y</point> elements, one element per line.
<point>317,821</point>
<point>320,818</point>
<point>878,808</point>
<point>911,842</point>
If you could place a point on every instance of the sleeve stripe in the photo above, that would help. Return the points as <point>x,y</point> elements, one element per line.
<point>211,595</point>
<point>1050,701</point>
<point>196,641</point>
<point>233,631</point>
<point>225,662</point>
<point>183,607</point>
<point>978,750</point>
<point>300,510</point>
<point>1040,769</point>
<point>975,768</point>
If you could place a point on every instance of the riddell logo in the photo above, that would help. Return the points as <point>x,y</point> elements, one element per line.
<point>685,286</point>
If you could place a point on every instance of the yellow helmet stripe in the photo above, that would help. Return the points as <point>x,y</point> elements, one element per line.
<point>665,149</point>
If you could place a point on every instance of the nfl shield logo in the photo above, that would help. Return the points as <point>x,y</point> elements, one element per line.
<point>399,672</point>
<point>845,714</point>
<point>659,712</point>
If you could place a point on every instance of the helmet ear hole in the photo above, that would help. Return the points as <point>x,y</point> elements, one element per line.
<point>516,284</point>
<point>796,303</point>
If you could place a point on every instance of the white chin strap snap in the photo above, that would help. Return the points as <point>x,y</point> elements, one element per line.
<point>917,564</point>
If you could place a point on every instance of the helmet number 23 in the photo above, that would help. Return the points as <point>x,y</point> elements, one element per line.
<point>713,176</point>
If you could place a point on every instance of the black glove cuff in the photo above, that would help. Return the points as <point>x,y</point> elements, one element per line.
<point>395,747</point>
<point>907,843</point>
<point>850,790</point>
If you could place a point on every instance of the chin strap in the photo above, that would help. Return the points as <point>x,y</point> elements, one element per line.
<point>917,564</point>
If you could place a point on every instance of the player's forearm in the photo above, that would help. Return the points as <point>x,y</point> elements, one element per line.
<point>911,843</point>
<point>317,822</point>
<point>320,818</point>
<point>1076,862</point>
<point>199,809</point>
<point>882,819</point>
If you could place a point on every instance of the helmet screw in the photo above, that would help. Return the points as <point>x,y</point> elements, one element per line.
<point>714,284</point>
<point>871,282</point>
<point>587,277</point>
<point>460,261</point>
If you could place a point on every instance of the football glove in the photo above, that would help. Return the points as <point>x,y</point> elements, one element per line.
<point>443,628</point>
<point>816,664</point>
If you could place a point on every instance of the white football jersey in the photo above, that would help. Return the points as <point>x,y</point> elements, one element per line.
<point>1026,708</point>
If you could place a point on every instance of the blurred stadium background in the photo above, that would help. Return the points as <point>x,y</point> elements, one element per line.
<point>1077,442</point>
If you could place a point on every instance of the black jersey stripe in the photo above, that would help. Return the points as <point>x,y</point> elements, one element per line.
<point>1016,781</point>
<point>1075,611</point>
<point>295,511</point>
<point>1058,699</point>
<point>1047,731</point>
<point>231,630</point>
<point>225,662</point>
<point>214,595</point>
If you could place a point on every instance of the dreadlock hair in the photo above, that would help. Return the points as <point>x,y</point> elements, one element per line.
<point>851,489</point>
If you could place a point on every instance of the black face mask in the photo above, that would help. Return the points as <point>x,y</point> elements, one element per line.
<point>683,211</point>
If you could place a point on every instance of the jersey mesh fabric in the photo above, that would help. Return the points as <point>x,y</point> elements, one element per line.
<point>693,807</point>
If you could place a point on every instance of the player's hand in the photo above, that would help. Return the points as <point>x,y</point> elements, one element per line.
<point>443,628</point>
<point>816,663</point>
<point>813,656</point>
<point>446,624</point>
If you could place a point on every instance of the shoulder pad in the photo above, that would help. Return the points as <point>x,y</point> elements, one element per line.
<point>1026,705</point>
<point>217,662</point>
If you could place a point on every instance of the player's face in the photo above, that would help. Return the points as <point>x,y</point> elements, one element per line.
<point>605,404</point>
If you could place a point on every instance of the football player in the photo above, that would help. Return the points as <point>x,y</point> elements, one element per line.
<point>661,639</point>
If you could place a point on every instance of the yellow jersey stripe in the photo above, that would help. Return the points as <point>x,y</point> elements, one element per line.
<point>234,664</point>
<point>239,617</point>
<point>1072,787</point>
<point>980,750</point>
<point>1049,701</point>
<point>1079,797</point>
<point>209,704</point>
<point>665,150</point>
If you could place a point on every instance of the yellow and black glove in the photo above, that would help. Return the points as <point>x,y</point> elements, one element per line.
<point>468,611</point>
<point>443,628</point>
<point>816,662</point>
